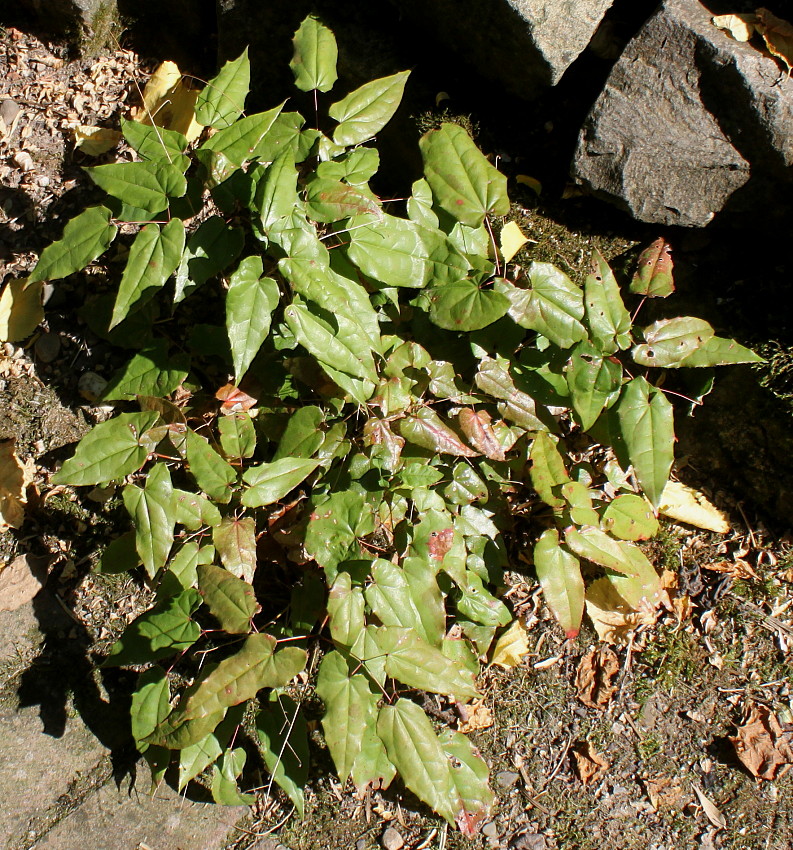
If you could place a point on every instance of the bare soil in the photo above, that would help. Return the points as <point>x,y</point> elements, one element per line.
<point>668,776</point>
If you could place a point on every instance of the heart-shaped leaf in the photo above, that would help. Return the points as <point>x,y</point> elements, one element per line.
<point>365,111</point>
<point>315,53</point>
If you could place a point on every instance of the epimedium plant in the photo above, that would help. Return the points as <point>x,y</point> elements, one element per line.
<point>392,379</point>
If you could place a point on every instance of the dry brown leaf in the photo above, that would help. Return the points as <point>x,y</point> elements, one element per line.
<point>778,36</point>
<point>595,677</point>
<point>167,102</point>
<point>95,141</point>
<point>511,646</point>
<point>589,764</point>
<point>21,580</point>
<point>475,716</point>
<point>663,792</point>
<point>709,807</point>
<point>614,620</point>
<point>20,310</point>
<point>740,27</point>
<point>737,568</point>
<point>761,744</point>
<point>15,477</point>
<point>690,506</point>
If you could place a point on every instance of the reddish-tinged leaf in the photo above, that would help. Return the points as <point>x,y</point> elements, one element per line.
<point>653,277</point>
<point>427,429</point>
<point>234,399</point>
<point>235,540</point>
<point>439,543</point>
<point>377,432</point>
<point>476,426</point>
<point>560,577</point>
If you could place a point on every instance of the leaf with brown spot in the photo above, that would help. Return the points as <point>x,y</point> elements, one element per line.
<point>653,277</point>
<point>440,542</point>
<point>761,744</point>
<point>427,430</point>
<point>476,426</point>
<point>588,763</point>
<point>595,677</point>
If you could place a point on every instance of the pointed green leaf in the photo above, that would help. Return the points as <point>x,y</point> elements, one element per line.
<point>212,248</point>
<point>241,676</point>
<point>235,541</point>
<point>463,182</point>
<point>194,510</point>
<point>469,773</point>
<point>669,342</point>
<point>153,142</point>
<point>350,709</point>
<point>365,111</point>
<point>270,482</point>
<point>303,435</point>
<point>315,53</point>
<point>653,276</point>
<point>493,378</point>
<point>718,351</point>
<point>643,588</point>
<point>357,167</point>
<point>119,556</point>
<point>398,252</point>
<point>152,372</point>
<point>594,382</point>
<point>245,139</point>
<point>237,434</point>
<point>428,430</point>
<point>334,528</point>
<point>153,511</point>
<point>330,200</point>
<point>596,546</point>
<point>212,474</point>
<point>390,598</point>
<point>164,630</point>
<point>646,423</point>
<point>276,194</point>
<point>250,302</point>
<point>111,450</point>
<point>283,734</point>
<point>85,238</point>
<point>224,779</point>
<point>144,185</point>
<point>230,600</point>
<point>559,574</point>
<point>153,258</point>
<point>345,611</point>
<point>419,206</point>
<point>150,704</point>
<point>548,472</point>
<point>462,306</point>
<point>183,566</point>
<point>417,664</point>
<point>477,603</point>
<point>552,305</point>
<point>630,517</point>
<point>222,100</point>
<point>415,751</point>
<point>197,757</point>
<point>579,503</point>
<point>609,322</point>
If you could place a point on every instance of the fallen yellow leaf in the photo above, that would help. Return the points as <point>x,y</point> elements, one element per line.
<point>740,27</point>
<point>690,506</point>
<point>511,646</point>
<point>95,141</point>
<point>15,477</point>
<point>614,620</point>
<point>167,102</point>
<point>512,240</point>
<point>20,310</point>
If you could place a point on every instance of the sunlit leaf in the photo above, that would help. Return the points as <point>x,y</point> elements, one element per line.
<point>194,510</point>
<point>222,100</point>
<point>653,277</point>
<point>365,111</point>
<point>144,185</point>
<point>594,382</point>
<point>245,139</point>
<point>462,306</point>
<point>512,239</point>
<point>275,196</point>
<point>345,610</point>
<point>153,510</point>
<point>513,644</point>
<point>559,574</point>
<point>426,429</point>
<point>463,182</point>
<point>111,450</point>
<point>718,351</point>
<point>197,757</point>
<point>315,53</point>
<point>235,541</point>
<point>230,600</point>
<point>153,142</point>
<point>608,319</point>
<point>334,528</point>
<point>150,704</point>
<point>630,517</point>
<point>548,471</point>
<point>224,779</point>
<point>85,238</point>
<point>477,427</point>
<point>685,504</point>
<point>237,435</point>
<point>270,482</point>
<point>21,310</point>
<point>331,200</point>
<point>668,342</point>
<point>469,775</point>
<point>596,546</point>
<point>212,474</point>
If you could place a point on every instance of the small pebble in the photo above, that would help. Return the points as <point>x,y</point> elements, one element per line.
<point>529,841</point>
<point>506,778</point>
<point>8,349</point>
<point>490,829</point>
<point>392,840</point>
<point>47,347</point>
<point>9,109</point>
<point>91,386</point>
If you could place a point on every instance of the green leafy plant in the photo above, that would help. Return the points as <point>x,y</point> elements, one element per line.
<point>344,496</point>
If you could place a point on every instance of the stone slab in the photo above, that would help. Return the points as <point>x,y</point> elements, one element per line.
<point>116,819</point>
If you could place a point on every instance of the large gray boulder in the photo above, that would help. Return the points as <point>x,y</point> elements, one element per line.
<point>526,45</point>
<point>690,123</point>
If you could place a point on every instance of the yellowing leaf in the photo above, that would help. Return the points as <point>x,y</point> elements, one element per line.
<point>95,141</point>
<point>740,27</point>
<point>778,36</point>
<point>512,240</point>
<point>511,646</point>
<point>690,506</point>
<point>167,102</point>
<point>614,620</point>
<point>531,182</point>
<point>20,310</point>
<point>15,477</point>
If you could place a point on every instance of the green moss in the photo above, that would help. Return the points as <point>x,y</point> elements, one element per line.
<point>103,34</point>
<point>671,657</point>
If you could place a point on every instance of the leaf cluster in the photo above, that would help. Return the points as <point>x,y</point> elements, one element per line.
<point>395,387</point>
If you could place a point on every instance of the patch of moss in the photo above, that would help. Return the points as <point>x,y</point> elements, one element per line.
<point>672,656</point>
